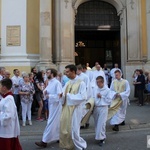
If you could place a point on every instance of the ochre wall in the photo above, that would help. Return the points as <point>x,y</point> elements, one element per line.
<point>27,69</point>
<point>33,26</point>
<point>144,27</point>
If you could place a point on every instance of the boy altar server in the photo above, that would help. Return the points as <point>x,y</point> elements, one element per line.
<point>9,124</point>
<point>102,97</point>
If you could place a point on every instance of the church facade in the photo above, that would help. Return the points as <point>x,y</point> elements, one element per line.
<point>54,33</point>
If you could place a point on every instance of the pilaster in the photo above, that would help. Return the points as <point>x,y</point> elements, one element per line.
<point>45,34</point>
<point>148,27</point>
<point>133,30</point>
<point>63,33</point>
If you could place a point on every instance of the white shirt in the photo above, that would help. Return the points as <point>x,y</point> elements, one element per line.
<point>16,81</point>
<point>9,124</point>
<point>1,77</point>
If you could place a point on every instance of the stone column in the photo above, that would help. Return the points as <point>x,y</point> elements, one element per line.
<point>134,42</point>
<point>133,30</point>
<point>45,34</point>
<point>63,28</point>
<point>148,27</point>
<point>123,39</point>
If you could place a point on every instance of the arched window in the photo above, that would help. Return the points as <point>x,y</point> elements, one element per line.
<point>97,15</point>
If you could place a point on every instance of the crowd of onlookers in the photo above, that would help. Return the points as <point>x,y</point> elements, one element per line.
<point>28,88</point>
<point>141,82</point>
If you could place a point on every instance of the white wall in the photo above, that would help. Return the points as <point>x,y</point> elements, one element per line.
<point>13,13</point>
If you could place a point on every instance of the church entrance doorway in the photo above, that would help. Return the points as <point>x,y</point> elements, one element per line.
<point>97,34</point>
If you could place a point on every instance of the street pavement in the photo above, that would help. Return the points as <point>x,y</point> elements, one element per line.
<point>132,136</point>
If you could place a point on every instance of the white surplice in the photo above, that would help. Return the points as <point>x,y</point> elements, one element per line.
<point>97,73</point>
<point>89,73</point>
<point>107,74</point>
<point>119,117</point>
<point>101,110</point>
<point>9,124</point>
<point>85,78</point>
<point>78,100</point>
<point>51,132</point>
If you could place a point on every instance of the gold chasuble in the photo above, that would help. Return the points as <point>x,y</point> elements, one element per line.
<point>66,118</point>
<point>119,86</point>
<point>89,106</point>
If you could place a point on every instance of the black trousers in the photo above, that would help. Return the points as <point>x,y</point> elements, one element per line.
<point>34,104</point>
<point>140,96</point>
<point>17,102</point>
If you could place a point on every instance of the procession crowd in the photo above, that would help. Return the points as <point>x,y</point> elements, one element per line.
<point>67,101</point>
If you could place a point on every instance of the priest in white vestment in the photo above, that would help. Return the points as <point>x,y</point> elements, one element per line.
<point>89,73</point>
<point>83,77</point>
<point>53,92</point>
<point>74,97</point>
<point>122,88</point>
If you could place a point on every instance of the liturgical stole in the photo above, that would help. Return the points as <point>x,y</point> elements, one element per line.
<point>66,118</point>
<point>119,86</point>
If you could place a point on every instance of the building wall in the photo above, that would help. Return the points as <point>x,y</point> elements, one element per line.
<point>144,28</point>
<point>57,34</point>
<point>18,15</point>
<point>13,15</point>
<point>21,69</point>
<point>33,26</point>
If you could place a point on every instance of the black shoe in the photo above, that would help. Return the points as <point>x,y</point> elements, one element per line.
<point>87,125</point>
<point>41,144</point>
<point>102,142</point>
<point>82,127</point>
<point>122,123</point>
<point>115,128</point>
<point>57,141</point>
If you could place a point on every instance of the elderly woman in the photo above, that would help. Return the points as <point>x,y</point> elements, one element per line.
<point>26,91</point>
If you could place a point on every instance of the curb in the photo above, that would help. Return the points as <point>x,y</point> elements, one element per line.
<point>91,130</point>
